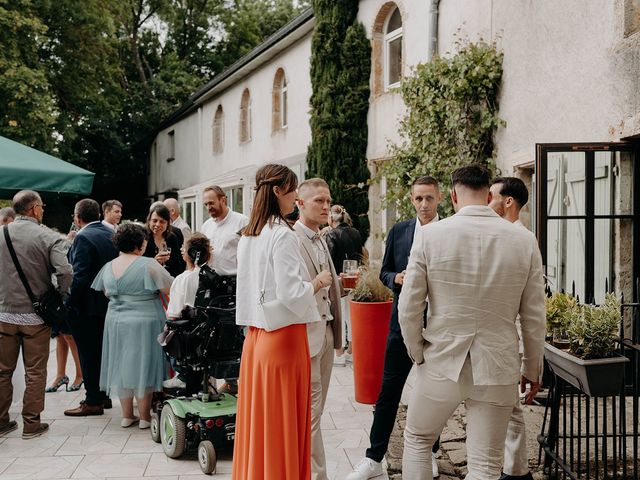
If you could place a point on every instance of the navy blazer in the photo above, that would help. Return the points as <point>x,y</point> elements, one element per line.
<point>396,257</point>
<point>92,248</point>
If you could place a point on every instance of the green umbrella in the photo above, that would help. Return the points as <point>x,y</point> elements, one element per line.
<point>23,167</point>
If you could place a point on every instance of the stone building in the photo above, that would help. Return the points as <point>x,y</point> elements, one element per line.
<point>570,99</point>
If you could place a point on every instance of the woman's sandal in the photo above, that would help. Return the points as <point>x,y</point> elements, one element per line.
<point>54,388</point>
<point>74,387</point>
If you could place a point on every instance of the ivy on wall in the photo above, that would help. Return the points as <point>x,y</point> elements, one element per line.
<point>452,115</point>
<point>340,71</point>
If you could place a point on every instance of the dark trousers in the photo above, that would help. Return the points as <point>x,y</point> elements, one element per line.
<point>397,366</point>
<point>87,332</point>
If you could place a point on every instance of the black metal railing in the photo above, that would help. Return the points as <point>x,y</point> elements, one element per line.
<point>596,438</point>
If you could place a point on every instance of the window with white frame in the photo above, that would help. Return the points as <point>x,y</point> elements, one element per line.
<point>172,146</point>
<point>234,198</point>
<point>218,130</point>
<point>393,49</point>
<point>245,116</point>
<point>189,212</point>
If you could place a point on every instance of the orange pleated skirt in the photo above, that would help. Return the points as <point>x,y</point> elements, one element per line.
<point>273,424</point>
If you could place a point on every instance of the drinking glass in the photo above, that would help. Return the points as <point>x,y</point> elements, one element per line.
<point>349,273</point>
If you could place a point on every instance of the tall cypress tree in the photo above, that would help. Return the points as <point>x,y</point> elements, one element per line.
<point>340,70</point>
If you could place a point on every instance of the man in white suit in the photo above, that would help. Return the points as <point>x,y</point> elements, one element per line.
<point>479,273</point>
<point>508,196</point>
<point>314,203</point>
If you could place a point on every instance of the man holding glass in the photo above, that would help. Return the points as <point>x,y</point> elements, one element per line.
<point>314,202</point>
<point>425,197</point>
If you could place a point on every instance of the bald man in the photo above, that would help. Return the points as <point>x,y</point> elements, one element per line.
<point>176,220</point>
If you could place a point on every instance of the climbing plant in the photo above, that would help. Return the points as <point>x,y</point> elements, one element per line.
<point>340,70</point>
<point>450,121</point>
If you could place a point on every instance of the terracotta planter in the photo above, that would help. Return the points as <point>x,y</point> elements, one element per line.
<point>599,377</point>
<point>370,329</point>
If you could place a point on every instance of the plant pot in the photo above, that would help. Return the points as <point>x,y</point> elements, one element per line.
<point>370,329</point>
<point>599,377</point>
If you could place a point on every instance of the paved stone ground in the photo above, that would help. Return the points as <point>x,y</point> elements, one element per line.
<point>98,448</point>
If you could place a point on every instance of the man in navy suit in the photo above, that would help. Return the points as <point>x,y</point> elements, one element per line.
<point>425,197</point>
<point>92,248</point>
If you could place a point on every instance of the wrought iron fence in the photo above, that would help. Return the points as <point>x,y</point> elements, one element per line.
<point>596,438</point>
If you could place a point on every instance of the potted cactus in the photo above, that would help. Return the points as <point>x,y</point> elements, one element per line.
<point>591,363</point>
<point>370,308</point>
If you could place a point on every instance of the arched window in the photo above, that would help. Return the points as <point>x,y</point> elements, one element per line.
<point>245,116</point>
<point>280,101</point>
<point>387,51</point>
<point>393,49</point>
<point>218,130</point>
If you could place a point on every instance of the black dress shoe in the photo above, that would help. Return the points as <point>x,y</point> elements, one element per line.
<point>107,404</point>
<point>527,476</point>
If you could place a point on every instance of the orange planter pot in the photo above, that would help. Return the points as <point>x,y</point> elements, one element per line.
<point>370,329</point>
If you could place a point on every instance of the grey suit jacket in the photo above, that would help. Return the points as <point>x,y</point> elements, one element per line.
<point>316,330</point>
<point>479,271</point>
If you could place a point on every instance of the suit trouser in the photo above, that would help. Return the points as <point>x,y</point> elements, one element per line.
<point>87,332</point>
<point>516,460</point>
<point>321,366</point>
<point>433,400</point>
<point>397,366</point>
<point>34,340</point>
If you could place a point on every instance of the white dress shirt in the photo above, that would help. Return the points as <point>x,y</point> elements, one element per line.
<point>110,225</point>
<point>322,256</point>
<point>272,261</point>
<point>183,292</point>
<point>224,237</point>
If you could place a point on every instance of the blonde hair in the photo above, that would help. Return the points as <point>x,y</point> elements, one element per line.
<point>339,215</point>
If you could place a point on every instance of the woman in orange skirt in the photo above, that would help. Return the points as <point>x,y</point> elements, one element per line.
<point>273,424</point>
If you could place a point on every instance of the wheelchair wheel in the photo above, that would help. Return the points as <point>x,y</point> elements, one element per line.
<point>155,427</point>
<point>172,432</point>
<point>207,457</point>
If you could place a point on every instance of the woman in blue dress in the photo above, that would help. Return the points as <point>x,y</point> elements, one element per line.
<point>133,363</point>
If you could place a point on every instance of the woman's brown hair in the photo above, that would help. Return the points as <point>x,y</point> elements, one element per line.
<point>265,205</point>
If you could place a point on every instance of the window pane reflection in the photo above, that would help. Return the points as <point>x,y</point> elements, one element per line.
<point>566,183</point>
<point>565,256</point>
<point>613,183</point>
<point>395,60</point>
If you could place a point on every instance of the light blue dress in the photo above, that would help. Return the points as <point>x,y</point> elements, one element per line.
<point>133,363</point>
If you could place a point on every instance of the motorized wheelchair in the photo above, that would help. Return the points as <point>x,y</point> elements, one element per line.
<point>204,345</point>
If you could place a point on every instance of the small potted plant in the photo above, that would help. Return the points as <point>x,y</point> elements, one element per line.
<point>592,363</point>
<point>560,308</point>
<point>370,308</point>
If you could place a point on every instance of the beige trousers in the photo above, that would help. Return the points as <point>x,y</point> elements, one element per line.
<point>321,366</point>
<point>516,460</point>
<point>433,400</point>
<point>34,340</point>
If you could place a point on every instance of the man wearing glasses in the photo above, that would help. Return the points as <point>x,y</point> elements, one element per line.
<point>40,253</point>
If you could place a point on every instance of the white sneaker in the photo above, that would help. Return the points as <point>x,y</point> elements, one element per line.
<point>366,469</point>
<point>434,465</point>
<point>174,382</point>
<point>144,424</point>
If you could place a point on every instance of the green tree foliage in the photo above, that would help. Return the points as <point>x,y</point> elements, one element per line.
<point>452,115</point>
<point>340,69</point>
<point>89,81</point>
<point>27,108</point>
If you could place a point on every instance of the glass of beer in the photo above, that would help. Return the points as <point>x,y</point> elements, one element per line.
<point>349,273</point>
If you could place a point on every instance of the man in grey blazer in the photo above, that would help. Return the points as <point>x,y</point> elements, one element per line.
<point>314,202</point>
<point>479,273</point>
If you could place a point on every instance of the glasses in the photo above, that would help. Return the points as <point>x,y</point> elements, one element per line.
<point>41,205</point>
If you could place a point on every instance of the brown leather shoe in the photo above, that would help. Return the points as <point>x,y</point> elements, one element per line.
<point>85,410</point>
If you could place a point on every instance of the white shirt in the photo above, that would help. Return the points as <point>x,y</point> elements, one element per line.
<point>107,224</point>
<point>273,261</point>
<point>183,292</point>
<point>418,225</point>
<point>224,237</point>
<point>183,226</point>
<point>322,256</point>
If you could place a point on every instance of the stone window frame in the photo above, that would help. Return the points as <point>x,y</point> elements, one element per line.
<point>380,40</point>
<point>280,97</point>
<point>245,117</point>
<point>217,130</point>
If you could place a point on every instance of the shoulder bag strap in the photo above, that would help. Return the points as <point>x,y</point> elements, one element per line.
<point>14,257</point>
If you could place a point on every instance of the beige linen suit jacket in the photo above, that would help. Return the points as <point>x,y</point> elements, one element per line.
<point>479,271</point>
<point>316,330</point>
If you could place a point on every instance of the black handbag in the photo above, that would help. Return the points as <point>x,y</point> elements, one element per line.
<point>49,306</point>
